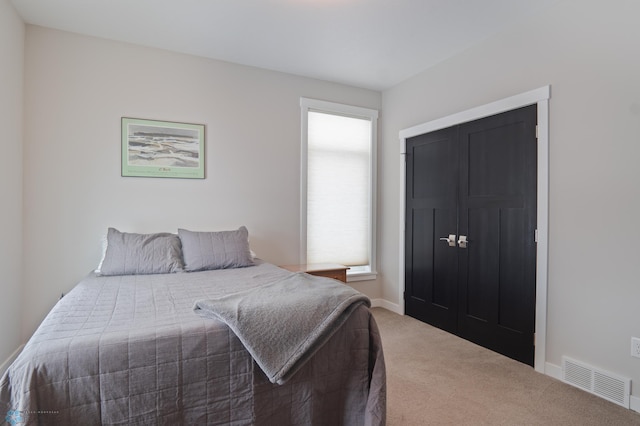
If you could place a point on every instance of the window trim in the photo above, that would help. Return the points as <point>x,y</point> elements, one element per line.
<point>306,105</point>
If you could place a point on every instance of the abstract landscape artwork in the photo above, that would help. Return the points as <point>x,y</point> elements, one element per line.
<point>153,148</point>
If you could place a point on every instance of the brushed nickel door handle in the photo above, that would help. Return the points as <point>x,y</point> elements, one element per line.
<point>451,240</point>
<point>462,242</point>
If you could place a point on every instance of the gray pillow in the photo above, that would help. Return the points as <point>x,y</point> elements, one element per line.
<point>215,250</point>
<point>139,254</point>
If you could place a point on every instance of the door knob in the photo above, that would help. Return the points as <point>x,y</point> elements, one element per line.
<point>462,242</point>
<point>451,240</point>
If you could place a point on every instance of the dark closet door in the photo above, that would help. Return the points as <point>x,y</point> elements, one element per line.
<point>431,266</point>
<point>497,213</point>
<point>491,292</point>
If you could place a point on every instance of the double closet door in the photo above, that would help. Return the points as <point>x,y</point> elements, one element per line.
<point>470,250</point>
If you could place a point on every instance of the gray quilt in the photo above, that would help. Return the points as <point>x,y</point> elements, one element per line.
<point>130,350</point>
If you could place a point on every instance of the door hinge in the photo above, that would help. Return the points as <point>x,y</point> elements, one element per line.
<point>535,235</point>
<point>536,131</point>
<point>534,339</point>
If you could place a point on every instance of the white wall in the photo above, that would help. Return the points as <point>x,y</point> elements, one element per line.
<point>12,31</point>
<point>589,52</point>
<point>77,90</point>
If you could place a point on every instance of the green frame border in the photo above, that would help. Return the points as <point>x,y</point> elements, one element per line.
<point>129,170</point>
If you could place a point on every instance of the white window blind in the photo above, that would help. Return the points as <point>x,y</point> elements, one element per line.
<point>338,195</point>
<point>338,186</point>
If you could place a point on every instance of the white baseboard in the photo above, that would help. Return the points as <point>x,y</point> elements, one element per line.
<point>9,360</point>
<point>382,303</point>
<point>634,403</point>
<point>553,370</point>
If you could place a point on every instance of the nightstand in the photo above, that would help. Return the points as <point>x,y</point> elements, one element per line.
<point>330,270</point>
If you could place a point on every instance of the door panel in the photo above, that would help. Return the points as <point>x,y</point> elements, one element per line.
<point>477,179</point>
<point>422,249</point>
<point>444,265</point>
<point>434,175</point>
<point>512,257</point>
<point>482,264</point>
<point>494,161</point>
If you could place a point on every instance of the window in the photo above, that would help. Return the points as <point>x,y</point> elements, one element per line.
<point>338,186</point>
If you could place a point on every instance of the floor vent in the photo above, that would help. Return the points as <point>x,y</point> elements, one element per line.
<point>601,383</point>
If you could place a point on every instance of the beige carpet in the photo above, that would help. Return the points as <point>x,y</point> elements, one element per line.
<point>435,378</point>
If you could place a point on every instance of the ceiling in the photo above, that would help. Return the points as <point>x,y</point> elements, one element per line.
<point>373,44</point>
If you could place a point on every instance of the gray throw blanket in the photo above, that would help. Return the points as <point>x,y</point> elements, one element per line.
<point>283,324</point>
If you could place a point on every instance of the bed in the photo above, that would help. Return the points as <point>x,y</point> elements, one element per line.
<point>142,348</point>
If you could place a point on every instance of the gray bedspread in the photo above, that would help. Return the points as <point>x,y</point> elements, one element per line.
<point>131,350</point>
<point>283,324</point>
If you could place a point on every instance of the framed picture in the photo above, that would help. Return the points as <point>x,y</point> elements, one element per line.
<point>162,149</point>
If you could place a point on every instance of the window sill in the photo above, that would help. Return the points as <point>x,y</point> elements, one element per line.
<point>361,276</point>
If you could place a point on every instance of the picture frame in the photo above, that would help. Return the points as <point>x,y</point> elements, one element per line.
<point>166,149</point>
